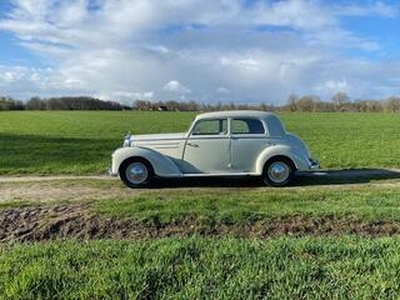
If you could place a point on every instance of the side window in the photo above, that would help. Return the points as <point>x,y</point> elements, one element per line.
<point>247,126</point>
<point>211,127</point>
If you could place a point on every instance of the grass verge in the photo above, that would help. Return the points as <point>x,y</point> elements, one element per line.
<point>203,268</point>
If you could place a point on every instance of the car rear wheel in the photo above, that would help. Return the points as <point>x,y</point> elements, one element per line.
<point>136,173</point>
<point>278,172</point>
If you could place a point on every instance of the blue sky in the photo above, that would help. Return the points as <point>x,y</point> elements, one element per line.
<point>204,50</point>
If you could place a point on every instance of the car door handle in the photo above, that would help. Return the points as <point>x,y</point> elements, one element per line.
<point>193,145</point>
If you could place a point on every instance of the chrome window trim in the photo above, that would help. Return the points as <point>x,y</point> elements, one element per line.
<point>191,135</point>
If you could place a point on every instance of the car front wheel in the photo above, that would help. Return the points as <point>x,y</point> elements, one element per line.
<point>136,173</point>
<point>278,172</point>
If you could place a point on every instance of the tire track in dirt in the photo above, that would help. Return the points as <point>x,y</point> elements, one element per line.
<point>46,219</point>
<point>78,222</point>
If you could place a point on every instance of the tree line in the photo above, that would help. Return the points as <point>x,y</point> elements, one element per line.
<point>60,103</point>
<point>340,102</point>
<point>194,106</point>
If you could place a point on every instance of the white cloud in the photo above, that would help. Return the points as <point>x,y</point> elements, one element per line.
<point>144,95</point>
<point>223,90</point>
<point>332,86</point>
<point>129,49</point>
<point>7,77</point>
<point>369,9</point>
<point>175,86</point>
<point>247,63</point>
<point>301,14</point>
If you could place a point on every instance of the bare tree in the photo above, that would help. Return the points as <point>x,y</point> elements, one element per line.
<point>392,104</point>
<point>291,102</point>
<point>306,103</point>
<point>340,100</point>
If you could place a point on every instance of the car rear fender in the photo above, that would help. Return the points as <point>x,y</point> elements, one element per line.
<point>163,166</point>
<point>299,161</point>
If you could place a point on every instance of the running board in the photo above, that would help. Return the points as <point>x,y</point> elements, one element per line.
<point>219,174</point>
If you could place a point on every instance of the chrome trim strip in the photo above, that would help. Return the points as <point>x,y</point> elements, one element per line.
<point>162,147</point>
<point>247,136</point>
<point>208,137</point>
<point>138,140</point>
<point>158,145</point>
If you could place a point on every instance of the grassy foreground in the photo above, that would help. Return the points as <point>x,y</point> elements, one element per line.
<point>378,200</point>
<point>198,268</point>
<point>246,206</point>
<point>82,142</point>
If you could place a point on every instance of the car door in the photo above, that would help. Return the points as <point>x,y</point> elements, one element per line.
<point>248,139</point>
<point>207,148</point>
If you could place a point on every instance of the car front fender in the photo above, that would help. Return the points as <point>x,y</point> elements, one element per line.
<point>300,160</point>
<point>163,166</point>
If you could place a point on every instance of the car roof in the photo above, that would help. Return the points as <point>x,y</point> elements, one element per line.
<point>275,126</point>
<point>236,113</point>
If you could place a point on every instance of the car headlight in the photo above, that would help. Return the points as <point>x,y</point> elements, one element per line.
<point>127,140</point>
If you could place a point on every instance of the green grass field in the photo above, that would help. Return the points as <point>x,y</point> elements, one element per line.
<point>202,268</point>
<point>82,142</point>
<point>352,263</point>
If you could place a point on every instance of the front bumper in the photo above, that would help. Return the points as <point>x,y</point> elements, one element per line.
<point>313,164</point>
<point>111,173</point>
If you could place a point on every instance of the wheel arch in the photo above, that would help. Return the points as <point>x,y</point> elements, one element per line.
<point>161,164</point>
<point>279,152</point>
<point>137,158</point>
<point>281,157</point>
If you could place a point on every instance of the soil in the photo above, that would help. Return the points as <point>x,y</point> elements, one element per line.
<point>47,219</point>
<point>77,221</point>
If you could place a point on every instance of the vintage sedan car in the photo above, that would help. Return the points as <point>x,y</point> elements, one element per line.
<point>228,143</point>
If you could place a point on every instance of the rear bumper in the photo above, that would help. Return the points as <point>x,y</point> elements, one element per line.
<point>313,164</point>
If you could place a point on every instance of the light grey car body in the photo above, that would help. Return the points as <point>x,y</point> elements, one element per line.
<point>229,143</point>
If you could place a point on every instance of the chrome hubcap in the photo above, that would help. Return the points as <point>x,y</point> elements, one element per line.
<point>137,173</point>
<point>278,172</point>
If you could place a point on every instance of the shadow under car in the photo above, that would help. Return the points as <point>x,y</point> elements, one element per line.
<point>320,177</point>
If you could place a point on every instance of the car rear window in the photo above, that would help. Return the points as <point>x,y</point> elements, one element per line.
<point>247,126</point>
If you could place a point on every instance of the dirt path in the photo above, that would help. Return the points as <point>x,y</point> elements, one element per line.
<point>8,179</point>
<point>61,208</point>
<point>61,188</point>
<point>80,188</point>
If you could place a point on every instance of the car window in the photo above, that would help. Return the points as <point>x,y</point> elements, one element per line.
<point>211,127</point>
<point>247,126</point>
